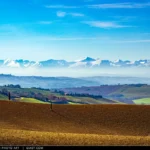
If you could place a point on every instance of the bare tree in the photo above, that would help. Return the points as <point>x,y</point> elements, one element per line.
<point>9,96</point>
<point>50,97</point>
<point>51,105</point>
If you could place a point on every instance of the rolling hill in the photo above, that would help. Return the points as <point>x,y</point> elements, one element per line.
<point>38,95</point>
<point>127,93</point>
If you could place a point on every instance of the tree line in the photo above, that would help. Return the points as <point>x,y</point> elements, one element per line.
<point>78,94</point>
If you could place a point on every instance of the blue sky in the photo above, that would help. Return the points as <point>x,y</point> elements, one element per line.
<point>72,29</point>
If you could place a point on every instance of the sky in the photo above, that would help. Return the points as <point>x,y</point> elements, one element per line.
<point>72,29</point>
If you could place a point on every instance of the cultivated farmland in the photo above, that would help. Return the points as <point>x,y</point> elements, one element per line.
<point>102,124</point>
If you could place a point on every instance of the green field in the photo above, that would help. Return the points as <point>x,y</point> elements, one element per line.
<point>142,101</point>
<point>30,100</point>
<point>72,103</point>
<point>90,100</point>
<point>3,97</point>
<point>129,91</point>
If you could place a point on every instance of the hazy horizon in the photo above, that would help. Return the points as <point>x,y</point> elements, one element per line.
<point>68,72</point>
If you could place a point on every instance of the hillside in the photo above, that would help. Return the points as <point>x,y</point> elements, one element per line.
<point>74,124</point>
<point>3,97</point>
<point>38,95</point>
<point>124,93</point>
<point>104,94</point>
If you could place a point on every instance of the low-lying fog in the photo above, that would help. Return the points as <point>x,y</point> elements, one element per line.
<point>51,72</point>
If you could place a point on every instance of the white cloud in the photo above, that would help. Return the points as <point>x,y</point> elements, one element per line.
<point>61,6</point>
<point>120,5</point>
<point>45,22</point>
<point>61,14</point>
<point>65,38</point>
<point>76,14</point>
<point>102,6</point>
<point>134,41</point>
<point>125,18</point>
<point>101,24</point>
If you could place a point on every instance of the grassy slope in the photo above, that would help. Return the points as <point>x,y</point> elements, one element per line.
<point>44,92</point>
<point>29,100</point>
<point>142,101</point>
<point>129,91</point>
<point>3,97</point>
<point>25,123</point>
<point>71,99</point>
<point>90,100</point>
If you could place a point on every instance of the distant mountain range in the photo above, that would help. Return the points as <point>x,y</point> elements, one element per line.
<point>87,62</point>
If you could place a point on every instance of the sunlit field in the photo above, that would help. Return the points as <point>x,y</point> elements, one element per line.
<point>106,124</point>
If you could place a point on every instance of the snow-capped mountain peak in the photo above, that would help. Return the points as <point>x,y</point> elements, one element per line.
<point>88,59</point>
<point>85,59</point>
<point>97,62</point>
<point>117,61</point>
<point>82,63</point>
<point>6,61</point>
<point>11,63</point>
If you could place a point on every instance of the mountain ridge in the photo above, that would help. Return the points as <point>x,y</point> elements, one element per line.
<point>86,62</point>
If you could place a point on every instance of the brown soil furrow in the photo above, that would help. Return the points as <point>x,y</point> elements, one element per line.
<point>131,120</point>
